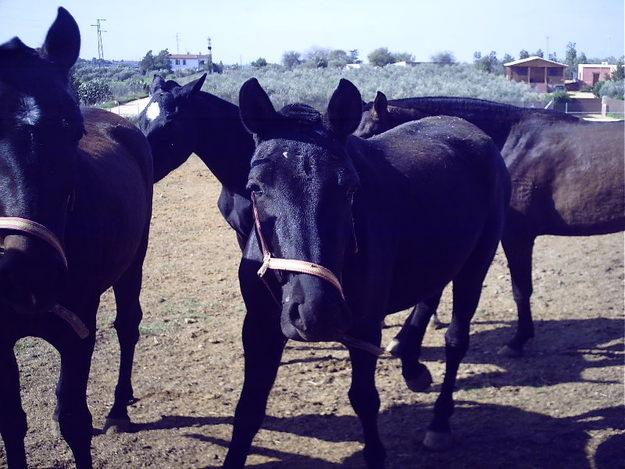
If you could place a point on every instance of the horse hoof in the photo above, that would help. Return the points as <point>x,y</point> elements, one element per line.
<point>437,324</point>
<point>394,348</point>
<point>113,425</point>
<point>421,382</point>
<point>507,351</point>
<point>436,441</point>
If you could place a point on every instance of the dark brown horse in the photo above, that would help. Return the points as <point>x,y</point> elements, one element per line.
<point>75,206</point>
<point>375,226</point>
<point>567,179</point>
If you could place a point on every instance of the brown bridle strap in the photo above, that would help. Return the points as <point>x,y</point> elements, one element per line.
<point>24,225</point>
<point>70,318</point>
<point>33,228</point>
<point>310,268</point>
<point>290,265</point>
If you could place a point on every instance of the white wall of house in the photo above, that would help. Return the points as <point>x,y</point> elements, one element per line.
<point>187,63</point>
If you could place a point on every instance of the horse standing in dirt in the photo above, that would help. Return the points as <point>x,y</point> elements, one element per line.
<point>567,179</point>
<point>359,229</point>
<point>75,207</point>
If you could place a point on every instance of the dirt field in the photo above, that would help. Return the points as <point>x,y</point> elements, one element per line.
<point>560,406</point>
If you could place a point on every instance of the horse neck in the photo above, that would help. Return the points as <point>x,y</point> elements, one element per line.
<point>224,145</point>
<point>495,119</point>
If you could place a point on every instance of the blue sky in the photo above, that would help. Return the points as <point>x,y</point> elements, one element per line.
<point>243,30</point>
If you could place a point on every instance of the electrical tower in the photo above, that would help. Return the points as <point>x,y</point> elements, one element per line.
<point>99,29</point>
<point>210,56</point>
<point>177,43</point>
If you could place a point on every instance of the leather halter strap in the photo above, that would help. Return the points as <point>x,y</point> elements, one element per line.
<point>33,228</point>
<point>310,268</point>
<point>290,265</point>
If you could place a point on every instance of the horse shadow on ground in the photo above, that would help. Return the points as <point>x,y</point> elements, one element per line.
<point>486,435</point>
<point>561,353</point>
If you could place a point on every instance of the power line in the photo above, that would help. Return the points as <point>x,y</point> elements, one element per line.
<point>99,29</point>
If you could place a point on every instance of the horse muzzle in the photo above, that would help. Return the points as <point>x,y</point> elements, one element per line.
<point>30,278</point>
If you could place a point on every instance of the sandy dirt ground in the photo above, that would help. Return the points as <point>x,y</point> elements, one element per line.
<point>559,406</point>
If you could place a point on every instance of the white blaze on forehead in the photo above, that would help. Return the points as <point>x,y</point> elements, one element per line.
<point>153,111</point>
<point>29,113</point>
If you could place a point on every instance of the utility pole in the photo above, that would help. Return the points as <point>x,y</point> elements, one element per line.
<point>99,29</point>
<point>210,56</point>
<point>177,43</point>
<point>547,51</point>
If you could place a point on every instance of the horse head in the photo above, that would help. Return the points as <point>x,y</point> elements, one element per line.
<point>168,122</point>
<point>40,127</point>
<point>302,183</point>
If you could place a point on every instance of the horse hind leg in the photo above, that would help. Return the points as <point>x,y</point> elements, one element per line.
<point>519,254</point>
<point>129,315</point>
<point>407,344</point>
<point>12,417</point>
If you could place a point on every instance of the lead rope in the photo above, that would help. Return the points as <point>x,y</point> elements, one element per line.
<point>38,230</point>
<point>310,268</point>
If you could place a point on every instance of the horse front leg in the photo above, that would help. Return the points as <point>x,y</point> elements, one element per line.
<point>365,400</point>
<point>12,417</point>
<point>407,344</point>
<point>263,344</point>
<point>129,315</point>
<point>519,254</point>
<point>72,413</point>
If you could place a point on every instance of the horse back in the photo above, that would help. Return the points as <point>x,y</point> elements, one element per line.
<point>430,189</point>
<point>568,177</point>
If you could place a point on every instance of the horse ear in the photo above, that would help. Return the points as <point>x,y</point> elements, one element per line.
<point>345,109</point>
<point>257,112</point>
<point>157,83</point>
<point>190,89</point>
<point>62,44</point>
<point>380,104</point>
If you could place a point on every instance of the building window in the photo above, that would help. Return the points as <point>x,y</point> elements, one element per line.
<point>555,72</point>
<point>522,72</point>
<point>177,62</point>
<point>184,61</point>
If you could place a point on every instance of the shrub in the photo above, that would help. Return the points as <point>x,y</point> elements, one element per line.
<point>315,86</point>
<point>94,91</point>
<point>259,62</point>
<point>612,89</point>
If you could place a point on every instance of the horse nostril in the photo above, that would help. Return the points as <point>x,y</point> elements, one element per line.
<point>294,314</point>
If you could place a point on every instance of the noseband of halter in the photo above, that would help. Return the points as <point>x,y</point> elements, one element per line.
<point>33,228</point>
<point>29,227</point>
<point>290,265</point>
<point>304,267</point>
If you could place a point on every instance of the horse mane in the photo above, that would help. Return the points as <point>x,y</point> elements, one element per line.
<point>441,104</point>
<point>302,114</point>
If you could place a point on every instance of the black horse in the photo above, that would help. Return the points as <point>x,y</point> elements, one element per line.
<point>181,120</point>
<point>75,207</point>
<point>567,179</point>
<point>380,223</point>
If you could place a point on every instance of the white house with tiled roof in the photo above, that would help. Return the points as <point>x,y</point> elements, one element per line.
<point>188,61</point>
